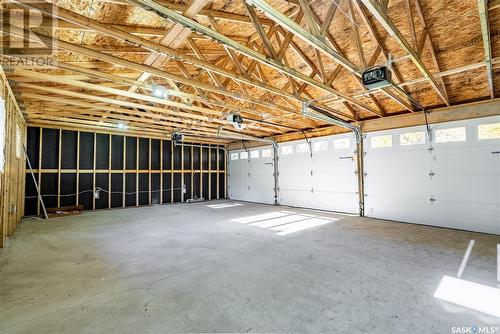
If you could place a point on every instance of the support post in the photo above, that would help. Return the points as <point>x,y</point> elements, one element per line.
<point>321,115</point>
<point>360,158</point>
<point>276,172</point>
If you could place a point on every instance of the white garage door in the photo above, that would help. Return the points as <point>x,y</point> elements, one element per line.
<point>250,176</point>
<point>327,180</point>
<point>452,182</point>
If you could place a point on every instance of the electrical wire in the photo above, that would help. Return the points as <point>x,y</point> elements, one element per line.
<point>418,105</point>
<point>98,189</point>
<point>308,141</point>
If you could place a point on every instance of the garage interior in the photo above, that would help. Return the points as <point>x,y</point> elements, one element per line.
<point>284,166</point>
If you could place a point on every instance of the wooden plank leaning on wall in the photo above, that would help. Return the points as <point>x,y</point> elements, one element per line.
<point>12,178</point>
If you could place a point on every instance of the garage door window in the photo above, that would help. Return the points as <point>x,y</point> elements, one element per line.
<point>287,149</point>
<point>341,143</point>
<point>254,154</point>
<point>266,153</point>
<point>412,138</point>
<point>451,135</point>
<point>302,148</point>
<point>381,141</point>
<point>234,156</point>
<point>488,131</point>
<point>320,146</point>
<point>243,155</point>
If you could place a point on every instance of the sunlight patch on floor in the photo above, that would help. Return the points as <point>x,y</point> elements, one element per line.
<point>285,222</point>
<point>222,206</point>
<point>475,296</point>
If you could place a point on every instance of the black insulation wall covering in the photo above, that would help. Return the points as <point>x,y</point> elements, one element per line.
<point>131,153</point>
<point>117,152</point>
<point>68,189</point>
<point>102,181</point>
<point>102,151</point>
<point>116,190</point>
<point>155,188</point>
<point>50,154</point>
<point>86,150</point>
<point>32,148</point>
<point>127,171</point>
<point>69,143</point>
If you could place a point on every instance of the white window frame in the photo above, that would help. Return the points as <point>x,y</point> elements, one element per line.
<point>302,148</point>
<point>380,136</point>
<point>450,141</point>
<point>341,140</point>
<point>266,153</point>
<point>320,145</point>
<point>244,155</point>
<point>254,154</point>
<point>486,124</point>
<point>412,133</point>
<point>287,150</point>
<point>234,156</point>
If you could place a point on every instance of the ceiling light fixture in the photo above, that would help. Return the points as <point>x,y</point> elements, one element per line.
<point>160,92</point>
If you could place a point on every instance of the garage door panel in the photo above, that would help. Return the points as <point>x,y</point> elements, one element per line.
<point>397,162</point>
<point>480,217</point>
<point>474,160</point>
<point>342,201</point>
<point>416,186</point>
<point>332,185</point>
<point>466,188</point>
<point>407,209</point>
<point>296,197</point>
<point>347,184</point>
<point>235,174</point>
<point>251,179</point>
<point>454,184</point>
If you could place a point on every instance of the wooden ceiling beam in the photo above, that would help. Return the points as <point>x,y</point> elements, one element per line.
<point>355,31</point>
<point>493,4</point>
<point>154,112</point>
<point>112,119</point>
<point>314,29</point>
<point>482,6</point>
<point>199,28</point>
<point>325,26</point>
<point>380,14</point>
<point>112,101</point>
<point>428,38</point>
<point>140,67</point>
<point>316,41</point>
<point>260,30</point>
<point>62,25</point>
<point>298,31</point>
<point>63,103</point>
<point>114,91</point>
<point>162,49</point>
<point>174,38</point>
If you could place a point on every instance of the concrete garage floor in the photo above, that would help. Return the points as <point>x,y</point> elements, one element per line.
<point>224,266</point>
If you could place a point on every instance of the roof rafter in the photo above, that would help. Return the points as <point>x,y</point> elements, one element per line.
<point>380,14</point>
<point>174,16</point>
<point>485,33</point>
